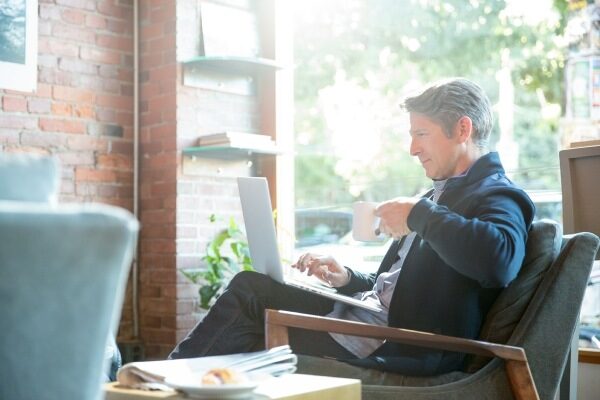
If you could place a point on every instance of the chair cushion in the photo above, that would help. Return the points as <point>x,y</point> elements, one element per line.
<point>543,245</point>
<point>27,177</point>
<point>323,366</point>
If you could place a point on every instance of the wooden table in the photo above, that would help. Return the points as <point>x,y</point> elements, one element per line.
<point>290,387</point>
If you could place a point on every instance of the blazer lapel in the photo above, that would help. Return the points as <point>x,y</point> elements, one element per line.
<point>391,256</point>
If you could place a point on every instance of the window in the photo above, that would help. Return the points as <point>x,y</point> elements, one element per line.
<point>356,60</point>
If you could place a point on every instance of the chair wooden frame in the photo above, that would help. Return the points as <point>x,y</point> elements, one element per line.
<point>515,360</point>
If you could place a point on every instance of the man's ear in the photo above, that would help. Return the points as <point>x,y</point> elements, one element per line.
<point>464,128</point>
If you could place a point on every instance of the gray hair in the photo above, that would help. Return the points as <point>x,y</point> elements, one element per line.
<point>445,102</point>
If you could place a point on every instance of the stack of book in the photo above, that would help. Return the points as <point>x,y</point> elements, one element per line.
<point>241,140</point>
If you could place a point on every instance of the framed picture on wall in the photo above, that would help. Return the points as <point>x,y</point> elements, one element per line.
<point>228,31</point>
<point>18,44</point>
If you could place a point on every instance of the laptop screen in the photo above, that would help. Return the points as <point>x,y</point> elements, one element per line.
<point>260,228</point>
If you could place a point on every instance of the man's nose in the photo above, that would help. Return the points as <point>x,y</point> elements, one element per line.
<point>415,149</point>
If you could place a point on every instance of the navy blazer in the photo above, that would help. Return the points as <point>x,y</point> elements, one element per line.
<point>468,247</point>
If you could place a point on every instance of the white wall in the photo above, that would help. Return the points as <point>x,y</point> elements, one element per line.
<point>588,381</point>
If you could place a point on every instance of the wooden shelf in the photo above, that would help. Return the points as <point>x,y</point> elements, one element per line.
<point>228,152</point>
<point>589,356</point>
<point>234,64</point>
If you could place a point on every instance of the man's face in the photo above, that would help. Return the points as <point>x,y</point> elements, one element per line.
<point>439,155</point>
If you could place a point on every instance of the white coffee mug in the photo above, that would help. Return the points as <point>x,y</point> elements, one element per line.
<point>364,221</point>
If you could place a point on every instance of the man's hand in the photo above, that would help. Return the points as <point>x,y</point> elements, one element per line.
<point>394,215</point>
<point>325,268</point>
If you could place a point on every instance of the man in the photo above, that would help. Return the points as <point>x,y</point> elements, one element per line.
<point>456,248</point>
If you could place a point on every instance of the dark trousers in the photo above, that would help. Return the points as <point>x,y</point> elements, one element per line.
<point>235,323</point>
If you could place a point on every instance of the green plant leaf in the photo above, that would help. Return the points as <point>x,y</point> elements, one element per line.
<point>226,255</point>
<point>218,241</point>
<point>214,271</point>
<point>207,293</point>
<point>233,228</point>
<point>228,266</point>
<point>212,252</point>
<point>234,266</point>
<point>192,275</point>
<point>236,249</point>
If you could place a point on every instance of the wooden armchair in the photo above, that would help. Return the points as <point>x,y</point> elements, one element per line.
<point>517,367</point>
<point>535,315</point>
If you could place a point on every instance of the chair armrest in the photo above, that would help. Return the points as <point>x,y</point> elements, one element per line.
<point>517,367</point>
<point>406,336</point>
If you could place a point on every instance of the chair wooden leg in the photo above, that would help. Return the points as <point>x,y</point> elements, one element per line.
<point>521,380</point>
<point>275,334</point>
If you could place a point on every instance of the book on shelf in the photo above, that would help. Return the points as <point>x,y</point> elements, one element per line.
<point>237,139</point>
<point>223,137</point>
<point>156,375</point>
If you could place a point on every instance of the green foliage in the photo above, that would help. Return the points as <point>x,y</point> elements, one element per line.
<point>390,47</point>
<point>226,255</point>
<point>311,180</point>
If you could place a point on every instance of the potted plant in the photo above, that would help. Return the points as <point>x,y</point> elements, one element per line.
<point>226,255</point>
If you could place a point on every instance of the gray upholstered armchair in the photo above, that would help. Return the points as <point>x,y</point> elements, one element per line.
<point>523,346</point>
<point>63,271</point>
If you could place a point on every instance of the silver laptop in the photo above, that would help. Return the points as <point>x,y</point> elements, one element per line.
<point>262,241</point>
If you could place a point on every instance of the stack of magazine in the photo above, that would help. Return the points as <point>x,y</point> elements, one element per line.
<point>156,375</point>
<point>238,139</point>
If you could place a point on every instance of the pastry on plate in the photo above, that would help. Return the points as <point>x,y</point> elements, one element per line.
<point>223,376</point>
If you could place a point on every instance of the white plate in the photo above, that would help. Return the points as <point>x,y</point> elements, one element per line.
<point>199,391</point>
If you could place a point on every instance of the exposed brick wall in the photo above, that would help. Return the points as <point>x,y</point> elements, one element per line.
<point>158,176</point>
<point>209,186</point>
<point>176,203</point>
<point>82,109</point>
